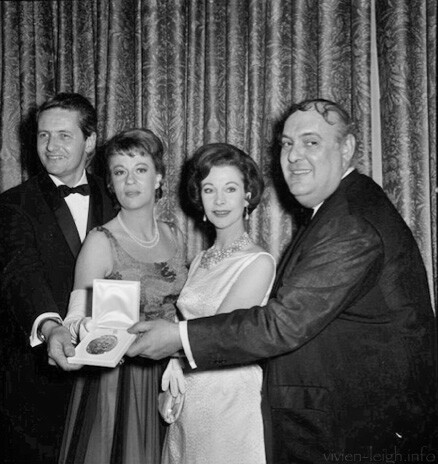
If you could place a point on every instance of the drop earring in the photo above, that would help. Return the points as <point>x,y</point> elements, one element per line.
<point>245,209</point>
<point>158,193</point>
<point>204,218</point>
<point>159,188</point>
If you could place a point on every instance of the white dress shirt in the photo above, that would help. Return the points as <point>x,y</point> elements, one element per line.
<point>78,205</point>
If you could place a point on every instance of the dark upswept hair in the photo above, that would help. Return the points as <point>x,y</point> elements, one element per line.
<point>326,109</point>
<point>133,142</point>
<point>73,102</point>
<point>223,154</point>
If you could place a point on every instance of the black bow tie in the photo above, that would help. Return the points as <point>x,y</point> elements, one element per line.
<point>65,190</point>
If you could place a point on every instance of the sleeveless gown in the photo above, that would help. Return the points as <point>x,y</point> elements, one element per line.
<point>221,420</point>
<point>113,416</point>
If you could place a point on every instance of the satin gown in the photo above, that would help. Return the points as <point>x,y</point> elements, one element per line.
<point>221,420</point>
<point>113,415</point>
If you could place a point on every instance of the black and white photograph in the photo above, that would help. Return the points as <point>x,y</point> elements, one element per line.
<point>218,232</point>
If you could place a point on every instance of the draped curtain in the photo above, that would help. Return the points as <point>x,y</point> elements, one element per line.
<point>200,71</point>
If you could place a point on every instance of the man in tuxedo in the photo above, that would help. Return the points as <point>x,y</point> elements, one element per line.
<point>42,224</point>
<point>348,332</point>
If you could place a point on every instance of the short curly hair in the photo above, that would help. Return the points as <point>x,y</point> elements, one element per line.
<point>327,109</point>
<point>223,154</point>
<point>133,142</point>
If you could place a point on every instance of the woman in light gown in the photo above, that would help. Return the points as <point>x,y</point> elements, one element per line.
<point>113,415</point>
<point>221,418</point>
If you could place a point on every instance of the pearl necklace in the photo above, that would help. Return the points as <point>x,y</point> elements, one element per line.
<point>139,241</point>
<point>214,256</point>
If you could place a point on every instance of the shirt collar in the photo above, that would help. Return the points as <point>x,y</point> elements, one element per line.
<point>82,180</point>
<point>316,208</point>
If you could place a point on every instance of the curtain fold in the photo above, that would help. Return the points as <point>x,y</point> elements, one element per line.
<point>407,161</point>
<point>200,71</point>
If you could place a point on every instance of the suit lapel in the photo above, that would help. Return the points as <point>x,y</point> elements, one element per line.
<point>62,214</point>
<point>290,255</point>
<point>95,209</point>
<point>286,259</point>
<point>68,227</point>
<point>287,255</point>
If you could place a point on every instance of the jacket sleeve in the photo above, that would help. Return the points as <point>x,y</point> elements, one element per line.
<point>335,265</point>
<point>25,292</point>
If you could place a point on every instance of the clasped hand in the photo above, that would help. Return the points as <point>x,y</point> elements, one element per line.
<point>156,340</point>
<point>61,341</point>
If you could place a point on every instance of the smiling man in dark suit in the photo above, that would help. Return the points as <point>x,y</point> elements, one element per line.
<point>349,329</point>
<point>42,224</point>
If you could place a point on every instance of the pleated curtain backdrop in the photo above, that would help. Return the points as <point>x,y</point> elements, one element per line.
<point>200,71</point>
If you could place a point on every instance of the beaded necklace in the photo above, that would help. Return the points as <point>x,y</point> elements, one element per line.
<point>213,256</point>
<point>139,241</point>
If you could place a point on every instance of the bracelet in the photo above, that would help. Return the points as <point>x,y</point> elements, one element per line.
<point>40,326</point>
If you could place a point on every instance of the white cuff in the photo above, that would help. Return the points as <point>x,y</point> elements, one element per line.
<point>184,334</point>
<point>34,339</point>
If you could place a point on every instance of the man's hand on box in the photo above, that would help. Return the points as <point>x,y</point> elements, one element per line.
<point>155,339</point>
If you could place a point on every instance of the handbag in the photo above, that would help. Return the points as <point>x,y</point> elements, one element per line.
<point>170,406</point>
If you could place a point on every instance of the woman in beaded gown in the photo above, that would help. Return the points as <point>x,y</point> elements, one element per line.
<point>113,415</point>
<point>221,418</point>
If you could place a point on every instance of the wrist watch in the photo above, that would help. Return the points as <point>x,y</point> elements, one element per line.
<point>40,326</point>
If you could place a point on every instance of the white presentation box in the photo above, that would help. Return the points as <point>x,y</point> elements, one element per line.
<point>116,307</point>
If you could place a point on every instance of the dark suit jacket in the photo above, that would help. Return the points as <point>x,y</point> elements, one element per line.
<point>39,243</point>
<point>349,331</point>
